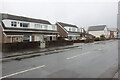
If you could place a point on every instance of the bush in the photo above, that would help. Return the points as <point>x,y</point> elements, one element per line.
<point>102,37</point>
<point>97,39</point>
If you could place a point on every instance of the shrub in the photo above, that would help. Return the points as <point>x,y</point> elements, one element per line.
<point>102,37</point>
<point>97,39</point>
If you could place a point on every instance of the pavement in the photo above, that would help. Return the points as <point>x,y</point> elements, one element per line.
<point>116,75</point>
<point>33,52</point>
<point>91,60</point>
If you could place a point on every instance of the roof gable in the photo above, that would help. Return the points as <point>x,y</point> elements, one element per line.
<point>96,28</point>
<point>112,29</point>
<point>66,25</point>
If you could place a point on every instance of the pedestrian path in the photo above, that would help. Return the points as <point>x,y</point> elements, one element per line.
<point>38,50</point>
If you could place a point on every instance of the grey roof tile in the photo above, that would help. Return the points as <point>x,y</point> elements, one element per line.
<point>21,18</point>
<point>65,24</point>
<point>96,28</point>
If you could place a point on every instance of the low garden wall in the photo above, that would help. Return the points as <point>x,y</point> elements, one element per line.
<point>19,46</point>
<point>10,47</point>
<point>58,43</point>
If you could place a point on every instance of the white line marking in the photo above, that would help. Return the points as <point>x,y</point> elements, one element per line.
<point>59,50</point>
<point>99,49</point>
<point>77,55</point>
<point>66,49</point>
<point>80,47</point>
<point>22,72</point>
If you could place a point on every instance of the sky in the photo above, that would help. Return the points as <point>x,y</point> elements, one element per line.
<point>83,13</point>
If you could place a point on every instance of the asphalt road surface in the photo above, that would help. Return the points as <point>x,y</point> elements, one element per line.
<point>90,60</point>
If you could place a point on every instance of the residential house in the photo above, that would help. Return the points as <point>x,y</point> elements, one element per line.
<point>112,32</point>
<point>99,30</point>
<point>68,31</point>
<point>22,29</point>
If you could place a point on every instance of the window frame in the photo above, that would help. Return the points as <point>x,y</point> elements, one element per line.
<point>24,25</point>
<point>13,23</point>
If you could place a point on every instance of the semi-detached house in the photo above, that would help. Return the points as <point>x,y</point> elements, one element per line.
<point>69,31</point>
<point>21,29</point>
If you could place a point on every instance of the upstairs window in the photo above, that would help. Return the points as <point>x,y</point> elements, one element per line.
<point>24,24</point>
<point>69,29</point>
<point>45,26</point>
<point>73,29</point>
<point>21,24</point>
<point>38,26</point>
<point>13,23</point>
<point>53,27</point>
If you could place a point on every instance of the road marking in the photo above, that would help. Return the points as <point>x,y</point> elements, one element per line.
<point>22,72</point>
<point>78,55</point>
<point>99,49</point>
<point>66,49</point>
<point>59,50</point>
<point>80,47</point>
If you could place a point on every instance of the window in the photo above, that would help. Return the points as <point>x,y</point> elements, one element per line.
<point>26,38</point>
<point>17,39</point>
<point>45,26</point>
<point>38,26</point>
<point>53,27</point>
<point>38,38</point>
<point>21,24</point>
<point>73,29</point>
<point>69,29</point>
<point>24,24</point>
<point>13,23</point>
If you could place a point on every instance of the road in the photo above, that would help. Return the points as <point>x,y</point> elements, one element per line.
<point>90,60</point>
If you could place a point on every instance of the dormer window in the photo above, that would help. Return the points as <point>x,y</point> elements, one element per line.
<point>24,24</point>
<point>21,24</point>
<point>13,23</point>
<point>53,27</point>
<point>45,26</point>
<point>73,29</point>
<point>69,29</point>
<point>38,26</point>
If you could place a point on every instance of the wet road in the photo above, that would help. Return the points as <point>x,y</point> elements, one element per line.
<point>91,60</point>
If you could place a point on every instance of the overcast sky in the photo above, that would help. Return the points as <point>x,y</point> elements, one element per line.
<point>82,13</point>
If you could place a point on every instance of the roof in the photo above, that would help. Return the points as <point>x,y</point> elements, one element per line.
<point>65,24</point>
<point>112,29</point>
<point>96,28</point>
<point>21,18</point>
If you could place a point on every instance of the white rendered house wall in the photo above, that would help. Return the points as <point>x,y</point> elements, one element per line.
<point>31,25</point>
